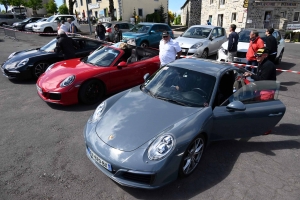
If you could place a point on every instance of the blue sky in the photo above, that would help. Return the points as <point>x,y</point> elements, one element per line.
<point>174,5</point>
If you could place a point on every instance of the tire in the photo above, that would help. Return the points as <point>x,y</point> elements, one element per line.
<point>278,60</point>
<point>192,156</point>
<point>91,92</point>
<point>3,24</point>
<point>144,44</point>
<point>204,54</point>
<point>48,30</point>
<point>39,68</point>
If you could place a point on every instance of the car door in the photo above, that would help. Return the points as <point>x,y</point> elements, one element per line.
<point>155,37</point>
<point>214,42</point>
<point>281,42</point>
<point>259,115</point>
<point>219,35</point>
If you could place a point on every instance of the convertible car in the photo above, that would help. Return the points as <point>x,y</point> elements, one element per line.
<point>149,135</point>
<point>107,70</point>
<point>32,63</point>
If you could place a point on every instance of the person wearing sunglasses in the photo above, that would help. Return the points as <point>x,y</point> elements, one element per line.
<point>266,69</point>
<point>168,49</point>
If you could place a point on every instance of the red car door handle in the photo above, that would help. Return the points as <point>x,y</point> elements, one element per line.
<point>273,115</point>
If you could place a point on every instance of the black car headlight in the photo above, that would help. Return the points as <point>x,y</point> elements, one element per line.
<point>68,81</point>
<point>98,113</point>
<point>161,147</point>
<point>22,63</point>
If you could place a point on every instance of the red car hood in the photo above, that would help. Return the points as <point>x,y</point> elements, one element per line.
<point>52,79</point>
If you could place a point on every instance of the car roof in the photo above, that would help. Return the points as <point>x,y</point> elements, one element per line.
<point>207,26</point>
<point>210,67</point>
<point>149,23</point>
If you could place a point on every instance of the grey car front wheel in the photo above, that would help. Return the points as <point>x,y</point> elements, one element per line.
<point>192,156</point>
<point>204,54</point>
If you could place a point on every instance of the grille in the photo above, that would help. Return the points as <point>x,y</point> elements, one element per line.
<point>241,54</point>
<point>54,96</point>
<point>141,178</point>
<point>184,51</point>
<point>9,73</point>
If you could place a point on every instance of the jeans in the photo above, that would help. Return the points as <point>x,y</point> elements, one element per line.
<point>230,56</point>
<point>254,63</point>
<point>101,37</point>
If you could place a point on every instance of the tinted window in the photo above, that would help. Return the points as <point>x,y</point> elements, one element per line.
<point>221,32</point>
<point>92,44</point>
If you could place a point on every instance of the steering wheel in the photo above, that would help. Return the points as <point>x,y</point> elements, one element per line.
<point>200,91</point>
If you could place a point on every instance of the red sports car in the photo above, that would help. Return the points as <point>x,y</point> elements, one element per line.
<point>107,70</point>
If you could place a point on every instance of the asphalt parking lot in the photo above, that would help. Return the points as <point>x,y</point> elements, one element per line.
<point>43,151</point>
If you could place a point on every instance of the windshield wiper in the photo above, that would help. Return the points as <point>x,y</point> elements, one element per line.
<point>172,101</point>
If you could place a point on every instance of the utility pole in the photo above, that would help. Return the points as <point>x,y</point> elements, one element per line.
<point>88,17</point>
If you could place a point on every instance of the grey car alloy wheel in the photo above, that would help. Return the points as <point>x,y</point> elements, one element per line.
<point>192,156</point>
<point>204,54</point>
<point>40,68</point>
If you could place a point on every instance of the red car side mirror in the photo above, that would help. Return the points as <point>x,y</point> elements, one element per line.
<point>122,64</point>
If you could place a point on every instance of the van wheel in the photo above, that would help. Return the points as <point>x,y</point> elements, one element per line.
<point>48,30</point>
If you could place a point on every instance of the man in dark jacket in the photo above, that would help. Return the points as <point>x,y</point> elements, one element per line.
<point>65,44</point>
<point>266,69</point>
<point>271,44</point>
<point>117,34</point>
<point>233,40</point>
<point>100,29</point>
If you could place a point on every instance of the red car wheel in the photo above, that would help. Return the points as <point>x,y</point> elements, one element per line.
<point>91,92</point>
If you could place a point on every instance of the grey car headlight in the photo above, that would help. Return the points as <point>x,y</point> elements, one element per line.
<point>50,67</point>
<point>161,147</point>
<point>68,81</point>
<point>197,45</point>
<point>98,113</point>
<point>11,55</point>
<point>22,63</point>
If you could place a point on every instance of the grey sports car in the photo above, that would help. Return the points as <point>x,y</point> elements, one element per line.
<point>150,135</point>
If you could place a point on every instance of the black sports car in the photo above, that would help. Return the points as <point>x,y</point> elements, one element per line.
<point>32,63</point>
<point>21,25</point>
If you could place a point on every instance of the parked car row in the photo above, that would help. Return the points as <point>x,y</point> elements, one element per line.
<point>157,125</point>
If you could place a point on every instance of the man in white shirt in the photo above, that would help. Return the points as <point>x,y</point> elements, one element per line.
<point>168,49</point>
<point>64,27</point>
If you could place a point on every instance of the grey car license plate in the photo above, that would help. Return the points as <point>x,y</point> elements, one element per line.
<point>99,160</point>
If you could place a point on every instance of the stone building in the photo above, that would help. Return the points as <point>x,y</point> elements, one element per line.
<point>257,14</point>
<point>191,13</point>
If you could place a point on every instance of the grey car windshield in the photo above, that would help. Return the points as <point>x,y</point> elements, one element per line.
<point>140,28</point>
<point>102,57</point>
<point>181,86</point>
<point>197,32</point>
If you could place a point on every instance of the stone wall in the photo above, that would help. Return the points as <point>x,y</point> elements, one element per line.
<point>195,12</point>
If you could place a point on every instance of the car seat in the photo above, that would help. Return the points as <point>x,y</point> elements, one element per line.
<point>133,57</point>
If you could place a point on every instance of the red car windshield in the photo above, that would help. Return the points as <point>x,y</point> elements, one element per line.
<point>103,57</point>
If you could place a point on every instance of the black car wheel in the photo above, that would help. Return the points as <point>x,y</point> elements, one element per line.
<point>192,156</point>
<point>39,69</point>
<point>48,30</point>
<point>91,92</point>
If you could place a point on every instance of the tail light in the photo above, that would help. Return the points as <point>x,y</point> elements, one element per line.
<point>108,30</point>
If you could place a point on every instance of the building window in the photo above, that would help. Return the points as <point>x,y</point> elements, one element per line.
<point>233,17</point>
<point>76,4</point>
<point>140,12</point>
<point>222,2</point>
<point>283,14</point>
<point>81,2</point>
<point>268,16</point>
<point>211,1</point>
<point>220,20</point>
<point>89,1</point>
<point>296,17</point>
<point>156,10</point>
<point>210,18</point>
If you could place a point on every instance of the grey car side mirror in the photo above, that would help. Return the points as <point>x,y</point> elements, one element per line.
<point>236,106</point>
<point>146,76</point>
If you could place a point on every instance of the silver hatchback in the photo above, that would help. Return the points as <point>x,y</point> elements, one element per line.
<point>202,40</point>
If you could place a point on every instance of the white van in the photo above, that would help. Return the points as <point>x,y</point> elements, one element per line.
<point>17,10</point>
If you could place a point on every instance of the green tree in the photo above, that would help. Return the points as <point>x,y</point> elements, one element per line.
<point>171,17</point>
<point>162,14</point>
<point>63,9</point>
<point>177,20</point>
<point>71,7</point>
<point>35,5</point>
<point>112,9</point>
<point>51,6</point>
<point>5,3</point>
<point>17,3</point>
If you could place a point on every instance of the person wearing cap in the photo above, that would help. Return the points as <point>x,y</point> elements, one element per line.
<point>168,49</point>
<point>66,45</point>
<point>271,44</point>
<point>233,41</point>
<point>73,28</point>
<point>100,29</point>
<point>266,69</point>
<point>255,43</point>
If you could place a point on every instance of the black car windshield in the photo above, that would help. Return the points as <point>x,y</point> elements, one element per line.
<point>102,57</point>
<point>26,20</point>
<point>197,32</point>
<point>244,36</point>
<point>140,28</point>
<point>181,86</point>
<point>50,46</point>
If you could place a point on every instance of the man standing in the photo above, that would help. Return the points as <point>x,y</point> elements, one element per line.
<point>100,29</point>
<point>255,43</point>
<point>63,26</point>
<point>266,69</point>
<point>233,40</point>
<point>65,44</point>
<point>168,49</point>
<point>117,34</point>
<point>73,28</point>
<point>271,44</point>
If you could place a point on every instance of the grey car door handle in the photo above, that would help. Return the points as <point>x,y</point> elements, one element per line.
<point>273,115</point>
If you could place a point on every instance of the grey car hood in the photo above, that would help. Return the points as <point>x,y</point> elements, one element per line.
<point>137,118</point>
<point>188,42</point>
